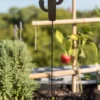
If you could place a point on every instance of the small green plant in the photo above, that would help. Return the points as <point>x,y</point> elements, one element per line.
<point>78,51</point>
<point>15,67</point>
<point>82,40</point>
<point>89,76</point>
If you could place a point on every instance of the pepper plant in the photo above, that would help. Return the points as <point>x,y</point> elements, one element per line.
<point>67,45</point>
<point>82,40</point>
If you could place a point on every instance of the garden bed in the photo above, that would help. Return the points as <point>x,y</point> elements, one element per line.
<point>61,92</point>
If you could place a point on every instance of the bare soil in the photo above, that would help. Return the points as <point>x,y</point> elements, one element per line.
<point>90,92</point>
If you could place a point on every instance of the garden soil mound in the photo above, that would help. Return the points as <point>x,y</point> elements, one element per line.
<point>90,93</point>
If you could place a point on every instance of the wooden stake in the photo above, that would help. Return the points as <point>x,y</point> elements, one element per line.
<point>74,78</point>
<point>35,40</point>
<point>66,21</point>
<point>64,73</point>
<point>98,77</point>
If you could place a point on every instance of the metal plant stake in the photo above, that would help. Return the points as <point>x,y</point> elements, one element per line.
<point>52,17</point>
<point>51,8</point>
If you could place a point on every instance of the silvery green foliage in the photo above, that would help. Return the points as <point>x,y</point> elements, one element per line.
<point>5,71</point>
<point>15,67</point>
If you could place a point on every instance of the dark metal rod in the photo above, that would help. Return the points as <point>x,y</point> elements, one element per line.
<point>52,60</point>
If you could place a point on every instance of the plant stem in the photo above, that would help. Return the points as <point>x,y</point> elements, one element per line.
<point>81,87</point>
<point>22,98</point>
<point>53,98</point>
<point>16,98</point>
<point>5,97</point>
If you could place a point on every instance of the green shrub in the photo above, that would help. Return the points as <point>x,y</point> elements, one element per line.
<point>15,67</point>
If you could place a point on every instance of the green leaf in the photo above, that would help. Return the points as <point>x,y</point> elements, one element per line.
<point>84,36</point>
<point>70,52</point>
<point>59,37</point>
<point>68,44</point>
<point>73,37</point>
<point>88,37</point>
<point>84,42</point>
<point>94,48</point>
<point>82,54</point>
<point>97,10</point>
<point>90,33</point>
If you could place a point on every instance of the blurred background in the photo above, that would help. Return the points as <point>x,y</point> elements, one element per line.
<point>26,11</point>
